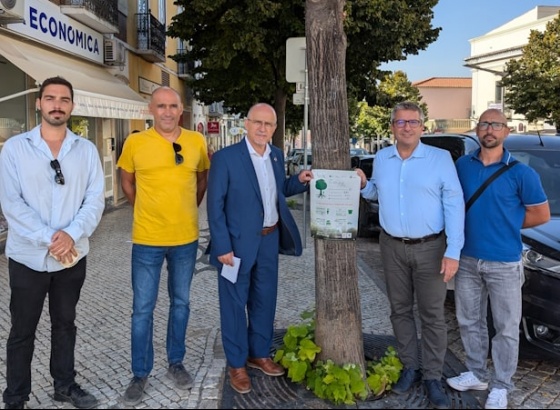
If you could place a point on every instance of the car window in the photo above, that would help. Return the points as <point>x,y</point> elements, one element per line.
<point>309,159</point>
<point>366,165</point>
<point>454,145</point>
<point>547,164</point>
<point>298,159</point>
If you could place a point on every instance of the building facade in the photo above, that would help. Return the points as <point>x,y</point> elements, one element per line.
<point>489,55</point>
<point>443,116</point>
<point>114,52</point>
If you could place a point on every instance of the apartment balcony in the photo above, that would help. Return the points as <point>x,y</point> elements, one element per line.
<point>100,15</point>
<point>184,67</point>
<point>151,38</point>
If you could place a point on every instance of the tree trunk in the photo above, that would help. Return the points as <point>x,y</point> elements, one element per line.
<point>280,107</point>
<point>339,318</point>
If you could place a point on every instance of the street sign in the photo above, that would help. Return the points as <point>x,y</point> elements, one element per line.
<point>213,127</point>
<point>295,60</point>
<point>236,131</point>
<point>298,99</point>
<point>300,88</point>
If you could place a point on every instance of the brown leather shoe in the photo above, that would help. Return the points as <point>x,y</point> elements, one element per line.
<point>266,365</point>
<point>239,380</point>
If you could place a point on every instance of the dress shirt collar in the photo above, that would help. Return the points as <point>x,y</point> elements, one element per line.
<point>34,135</point>
<point>419,151</point>
<point>253,152</point>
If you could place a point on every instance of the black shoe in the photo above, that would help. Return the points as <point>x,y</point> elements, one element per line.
<point>135,391</point>
<point>15,405</point>
<point>409,377</point>
<point>436,394</point>
<point>76,396</point>
<point>183,380</point>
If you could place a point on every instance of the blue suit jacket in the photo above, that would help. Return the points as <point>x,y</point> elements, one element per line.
<point>235,207</point>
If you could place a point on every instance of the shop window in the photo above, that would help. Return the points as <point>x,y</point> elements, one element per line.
<point>83,126</point>
<point>12,110</point>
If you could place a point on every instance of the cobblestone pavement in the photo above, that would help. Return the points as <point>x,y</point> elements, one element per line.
<point>103,321</point>
<point>537,379</point>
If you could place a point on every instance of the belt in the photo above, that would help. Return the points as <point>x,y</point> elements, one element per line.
<point>415,241</point>
<point>269,229</point>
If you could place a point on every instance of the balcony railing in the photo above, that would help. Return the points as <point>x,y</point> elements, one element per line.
<point>451,125</point>
<point>101,15</point>
<point>151,38</point>
<point>185,67</point>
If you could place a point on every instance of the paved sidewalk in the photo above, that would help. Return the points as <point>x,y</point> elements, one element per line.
<point>103,321</point>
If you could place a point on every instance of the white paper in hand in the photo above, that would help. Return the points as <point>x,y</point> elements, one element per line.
<point>67,264</point>
<point>230,272</point>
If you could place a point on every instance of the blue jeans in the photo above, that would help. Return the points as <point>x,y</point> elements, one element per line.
<point>475,281</point>
<point>147,262</point>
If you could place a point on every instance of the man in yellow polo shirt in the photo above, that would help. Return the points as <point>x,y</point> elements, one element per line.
<point>164,176</point>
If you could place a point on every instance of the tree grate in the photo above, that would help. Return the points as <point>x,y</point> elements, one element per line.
<point>280,393</point>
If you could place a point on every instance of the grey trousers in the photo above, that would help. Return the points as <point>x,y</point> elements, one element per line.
<point>413,271</point>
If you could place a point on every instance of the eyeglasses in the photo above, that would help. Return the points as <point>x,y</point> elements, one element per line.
<point>178,157</point>
<point>58,178</point>
<point>265,124</point>
<point>496,126</point>
<point>402,123</point>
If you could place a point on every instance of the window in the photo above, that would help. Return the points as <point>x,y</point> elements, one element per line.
<point>498,93</point>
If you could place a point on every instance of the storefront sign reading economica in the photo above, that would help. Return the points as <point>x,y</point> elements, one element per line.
<point>335,203</point>
<point>45,23</point>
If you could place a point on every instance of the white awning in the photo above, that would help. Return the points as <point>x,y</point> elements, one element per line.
<point>97,93</point>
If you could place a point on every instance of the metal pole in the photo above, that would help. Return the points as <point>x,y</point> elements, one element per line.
<point>305,125</point>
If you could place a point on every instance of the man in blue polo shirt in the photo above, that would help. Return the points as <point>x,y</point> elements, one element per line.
<point>490,263</point>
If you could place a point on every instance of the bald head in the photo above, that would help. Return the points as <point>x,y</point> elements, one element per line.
<point>494,113</point>
<point>166,107</point>
<point>262,107</point>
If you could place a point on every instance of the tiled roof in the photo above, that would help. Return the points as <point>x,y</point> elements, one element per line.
<point>445,82</point>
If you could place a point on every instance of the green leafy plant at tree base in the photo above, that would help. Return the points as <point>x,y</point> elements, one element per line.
<point>292,203</point>
<point>327,380</point>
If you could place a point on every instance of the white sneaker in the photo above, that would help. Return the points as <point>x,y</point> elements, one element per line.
<point>466,381</point>
<point>497,399</point>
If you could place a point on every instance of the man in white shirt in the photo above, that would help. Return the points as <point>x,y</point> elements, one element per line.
<point>52,195</point>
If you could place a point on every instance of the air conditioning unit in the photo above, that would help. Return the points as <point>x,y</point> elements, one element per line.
<point>11,11</point>
<point>114,52</point>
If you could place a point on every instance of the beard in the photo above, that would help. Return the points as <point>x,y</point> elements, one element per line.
<point>56,118</point>
<point>489,141</point>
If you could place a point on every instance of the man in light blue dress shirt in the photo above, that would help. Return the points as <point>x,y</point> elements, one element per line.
<point>421,211</point>
<point>52,195</point>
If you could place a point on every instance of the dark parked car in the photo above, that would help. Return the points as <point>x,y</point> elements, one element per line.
<point>541,253</point>
<point>368,216</point>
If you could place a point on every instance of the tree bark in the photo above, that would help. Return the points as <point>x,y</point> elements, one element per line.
<point>339,318</point>
<point>280,107</point>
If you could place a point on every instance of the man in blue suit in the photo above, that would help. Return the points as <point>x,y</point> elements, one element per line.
<point>249,219</point>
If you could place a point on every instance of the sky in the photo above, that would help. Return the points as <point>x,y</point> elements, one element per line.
<point>460,21</point>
